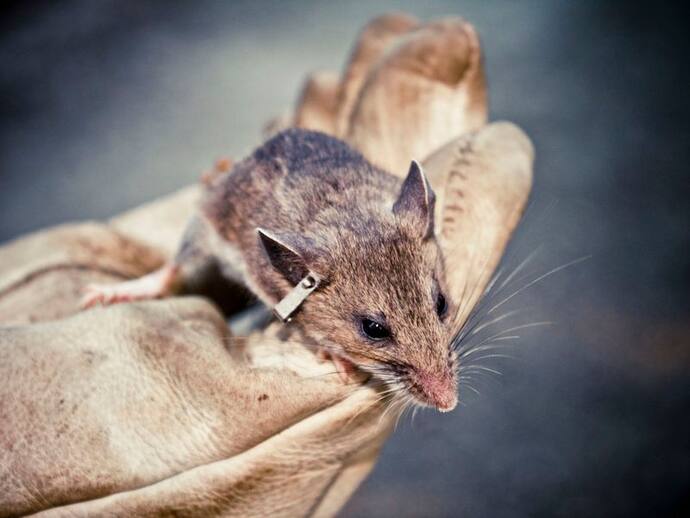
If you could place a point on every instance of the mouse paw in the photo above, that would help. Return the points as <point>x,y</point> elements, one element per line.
<point>220,167</point>
<point>155,285</point>
<point>322,355</point>
<point>344,368</point>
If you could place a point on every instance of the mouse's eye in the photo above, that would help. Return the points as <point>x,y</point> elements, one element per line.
<point>374,330</point>
<point>441,305</point>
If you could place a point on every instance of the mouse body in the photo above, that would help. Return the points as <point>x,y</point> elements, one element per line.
<point>306,204</point>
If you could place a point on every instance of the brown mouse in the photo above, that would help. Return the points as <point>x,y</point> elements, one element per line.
<point>341,248</point>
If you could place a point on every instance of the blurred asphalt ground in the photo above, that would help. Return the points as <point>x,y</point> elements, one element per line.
<point>108,104</point>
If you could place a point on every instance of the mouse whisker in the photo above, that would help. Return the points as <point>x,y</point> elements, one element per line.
<point>474,323</point>
<point>540,278</point>
<point>489,347</point>
<point>467,385</point>
<point>479,325</point>
<point>484,368</point>
<point>506,356</point>
<point>407,404</point>
<point>465,348</point>
<point>466,298</point>
<point>520,266</point>
<point>499,335</point>
<point>483,325</point>
<point>488,294</point>
<point>390,409</point>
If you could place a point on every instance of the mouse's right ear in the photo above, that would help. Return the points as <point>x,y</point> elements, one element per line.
<point>288,253</point>
<point>416,201</point>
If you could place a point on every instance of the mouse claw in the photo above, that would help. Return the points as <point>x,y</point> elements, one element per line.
<point>96,294</point>
<point>90,298</point>
<point>322,355</point>
<point>344,367</point>
<point>221,166</point>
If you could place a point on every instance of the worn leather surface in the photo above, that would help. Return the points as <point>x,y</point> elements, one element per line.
<point>153,408</point>
<point>42,275</point>
<point>116,399</point>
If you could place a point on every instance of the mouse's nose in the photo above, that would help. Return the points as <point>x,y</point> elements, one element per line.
<point>439,391</point>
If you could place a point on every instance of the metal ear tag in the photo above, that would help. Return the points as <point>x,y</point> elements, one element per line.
<point>289,304</point>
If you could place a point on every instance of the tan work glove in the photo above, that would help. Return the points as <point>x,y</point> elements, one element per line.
<point>153,408</point>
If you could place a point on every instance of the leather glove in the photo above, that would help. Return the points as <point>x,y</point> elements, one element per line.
<point>155,408</point>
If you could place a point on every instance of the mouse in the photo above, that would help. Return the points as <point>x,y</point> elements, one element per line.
<point>344,252</point>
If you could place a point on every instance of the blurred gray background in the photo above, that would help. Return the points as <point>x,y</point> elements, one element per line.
<point>105,105</point>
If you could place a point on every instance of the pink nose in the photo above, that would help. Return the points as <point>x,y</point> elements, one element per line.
<point>439,391</point>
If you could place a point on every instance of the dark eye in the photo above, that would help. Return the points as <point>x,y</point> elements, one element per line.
<point>441,305</point>
<point>374,330</point>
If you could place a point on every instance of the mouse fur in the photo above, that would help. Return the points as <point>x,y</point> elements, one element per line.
<point>305,201</point>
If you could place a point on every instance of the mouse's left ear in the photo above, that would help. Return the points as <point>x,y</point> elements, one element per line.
<point>416,201</point>
<point>288,253</point>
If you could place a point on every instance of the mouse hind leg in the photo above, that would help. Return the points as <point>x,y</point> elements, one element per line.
<point>157,284</point>
<point>191,260</point>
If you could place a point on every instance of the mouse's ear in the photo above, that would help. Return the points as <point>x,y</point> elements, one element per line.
<point>290,254</point>
<point>416,201</point>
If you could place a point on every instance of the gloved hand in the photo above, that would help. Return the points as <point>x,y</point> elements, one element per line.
<point>154,408</point>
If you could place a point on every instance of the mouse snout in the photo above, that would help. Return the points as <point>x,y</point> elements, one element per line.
<point>439,391</point>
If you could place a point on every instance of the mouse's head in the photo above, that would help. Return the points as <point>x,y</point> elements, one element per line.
<point>383,303</point>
